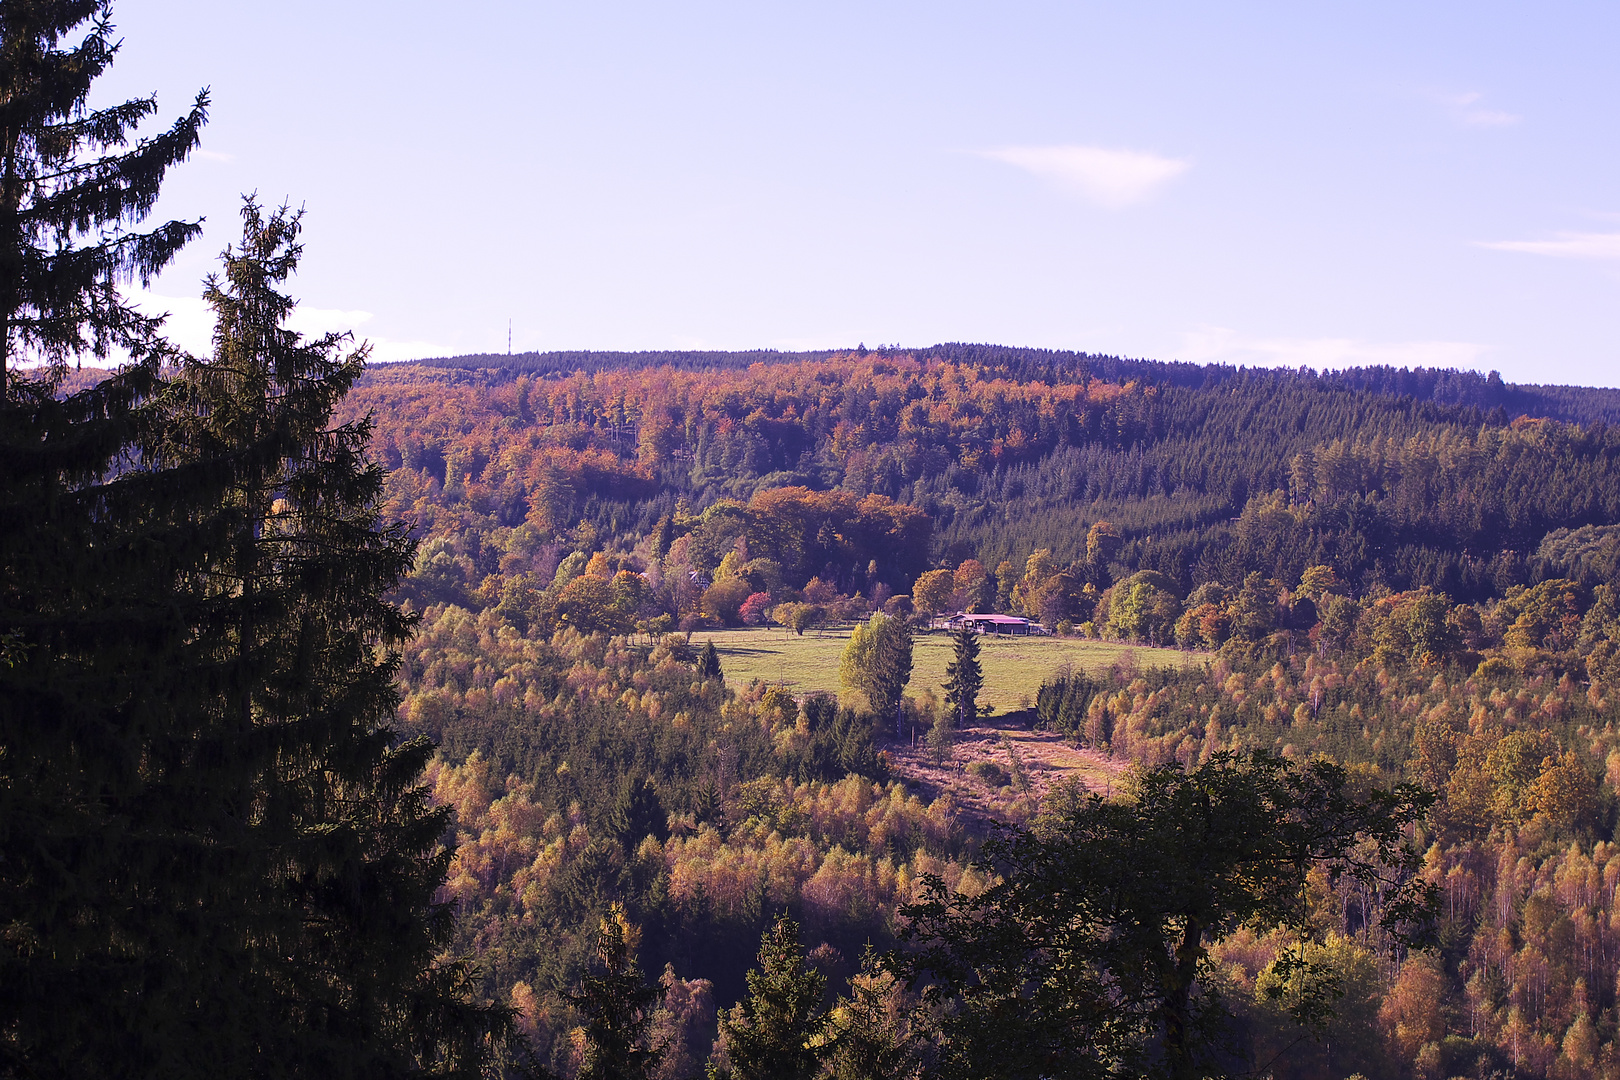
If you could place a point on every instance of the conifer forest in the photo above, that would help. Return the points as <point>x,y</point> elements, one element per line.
<point>374,720</point>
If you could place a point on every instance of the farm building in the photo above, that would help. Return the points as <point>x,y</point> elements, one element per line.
<point>992,624</point>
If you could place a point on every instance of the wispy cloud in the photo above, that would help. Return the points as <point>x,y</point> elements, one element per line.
<point>215,155</point>
<point>1219,345</point>
<point>1468,110</point>
<point>1567,245</point>
<point>190,325</point>
<point>1110,178</point>
<point>313,321</point>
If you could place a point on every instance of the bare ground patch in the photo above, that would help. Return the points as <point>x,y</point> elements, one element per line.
<point>1044,758</point>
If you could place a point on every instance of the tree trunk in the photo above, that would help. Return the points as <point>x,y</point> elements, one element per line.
<point>1178,1003</point>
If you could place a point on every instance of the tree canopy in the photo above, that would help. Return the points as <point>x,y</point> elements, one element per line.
<point>217,844</point>
<point>964,676</point>
<point>877,662</point>
<point>72,185</point>
<point>1089,957</point>
<point>775,1033</point>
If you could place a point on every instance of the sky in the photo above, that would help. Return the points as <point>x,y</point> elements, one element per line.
<point>1290,184</point>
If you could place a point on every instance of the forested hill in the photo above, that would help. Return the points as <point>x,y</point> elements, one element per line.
<point>1444,386</point>
<point>1396,479</point>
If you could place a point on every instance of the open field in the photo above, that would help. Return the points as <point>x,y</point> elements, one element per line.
<point>1014,667</point>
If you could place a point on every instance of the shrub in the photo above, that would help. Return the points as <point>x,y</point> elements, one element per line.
<point>990,773</point>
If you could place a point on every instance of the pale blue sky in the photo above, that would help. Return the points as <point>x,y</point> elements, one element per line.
<point>1273,183</point>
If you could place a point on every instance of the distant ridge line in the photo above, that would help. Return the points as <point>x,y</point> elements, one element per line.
<point>1440,386</point>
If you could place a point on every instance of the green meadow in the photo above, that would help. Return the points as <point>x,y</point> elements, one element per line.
<point>1014,667</point>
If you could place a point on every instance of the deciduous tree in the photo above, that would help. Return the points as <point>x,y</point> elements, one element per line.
<point>932,592</point>
<point>1089,957</point>
<point>877,662</point>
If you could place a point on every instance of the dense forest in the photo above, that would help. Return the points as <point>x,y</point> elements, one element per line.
<point>1267,471</point>
<point>1385,571</point>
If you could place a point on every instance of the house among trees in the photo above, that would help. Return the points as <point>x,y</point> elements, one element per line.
<point>992,624</point>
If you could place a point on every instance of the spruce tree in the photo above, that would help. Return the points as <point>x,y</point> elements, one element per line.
<point>709,662</point>
<point>617,1004</point>
<point>216,846</point>
<point>93,974</point>
<point>72,184</point>
<point>775,1033</point>
<point>301,638</point>
<point>964,678</point>
<point>638,813</point>
<point>871,1037</point>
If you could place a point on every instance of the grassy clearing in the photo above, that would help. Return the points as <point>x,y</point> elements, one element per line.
<point>1047,759</point>
<point>1014,667</point>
